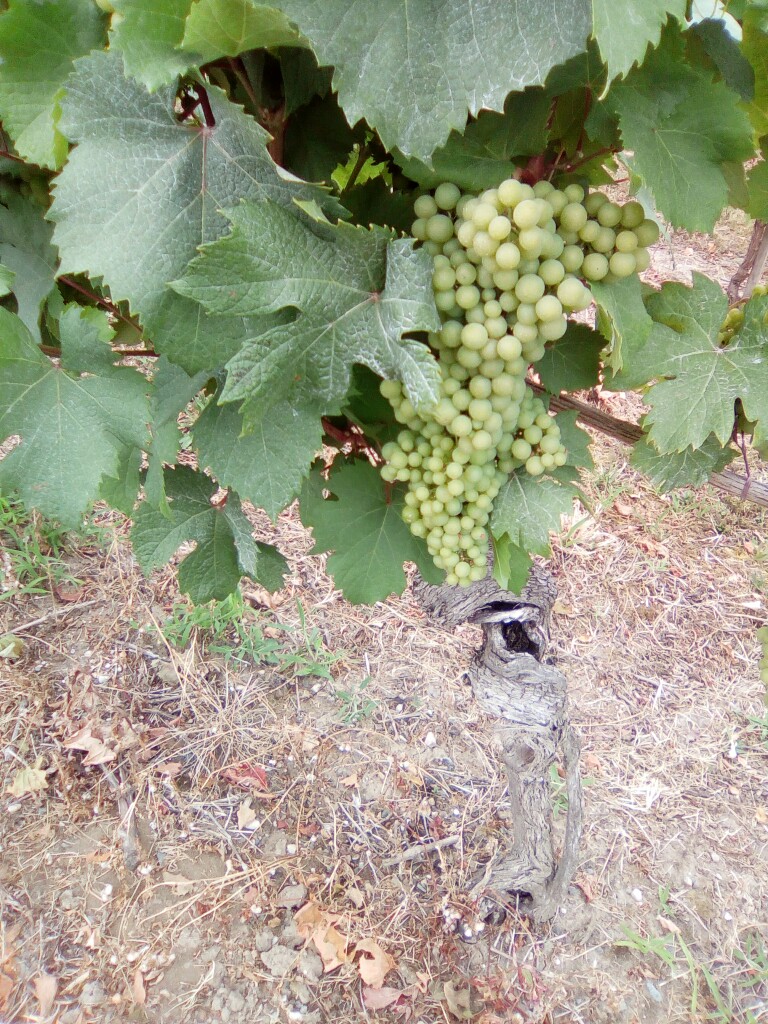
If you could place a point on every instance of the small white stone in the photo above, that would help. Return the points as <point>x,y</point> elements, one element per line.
<point>430,740</point>
<point>290,849</point>
<point>727,916</point>
<point>637,896</point>
<point>715,856</point>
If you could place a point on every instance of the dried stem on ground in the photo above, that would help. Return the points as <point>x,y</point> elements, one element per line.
<point>511,682</point>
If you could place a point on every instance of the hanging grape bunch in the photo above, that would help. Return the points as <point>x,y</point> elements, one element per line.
<point>509,266</point>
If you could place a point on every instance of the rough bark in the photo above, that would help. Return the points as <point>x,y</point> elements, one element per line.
<point>750,270</point>
<point>512,682</point>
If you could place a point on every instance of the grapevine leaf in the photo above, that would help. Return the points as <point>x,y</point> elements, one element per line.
<point>572,363</point>
<point>148,33</point>
<point>414,70</point>
<point>26,250</point>
<point>624,31</point>
<point>706,379</point>
<point>318,139</point>
<point>167,184</point>
<point>576,441</point>
<point>754,46</point>
<point>38,43</point>
<point>302,79</point>
<point>511,564</point>
<point>267,464</point>
<point>374,202</point>
<point>225,548</point>
<point>121,490</point>
<point>725,53</point>
<point>691,467</point>
<point>73,428</point>
<point>681,126</point>
<point>358,293</point>
<point>481,156</point>
<point>7,277</point>
<point>621,303</point>
<point>757,191</point>
<point>366,532</point>
<point>217,28</point>
<point>527,508</point>
<point>172,390</point>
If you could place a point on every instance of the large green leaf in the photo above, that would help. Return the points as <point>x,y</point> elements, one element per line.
<point>74,429</point>
<point>148,33</point>
<point>682,127</point>
<point>225,548</point>
<point>691,467</point>
<point>481,156</point>
<point>527,508</point>
<point>38,43</point>
<point>757,191</point>
<point>725,53</point>
<point>573,362</point>
<point>26,250</point>
<point>267,464</point>
<point>172,391</point>
<point>217,28</point>
<point>361,522</point>
<point>621,304</point>
<point>358,291</point>
<point>705,379</point>
<point>414,70</point>
<point>755,48</point>
<point>625,30</point>
<point>167,183</point>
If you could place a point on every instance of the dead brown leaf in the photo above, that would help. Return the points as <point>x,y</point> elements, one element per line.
<point>138,989</point>
<point>247,776</point>
<point>245,815</point>
<point>374,964</point>
<point>28,780</point>
<point>381,998</point>
<point>349,780</point>
<point>46,987</point>
<point>97,751</point>
<point>332,947</point>
<point>667,925</point>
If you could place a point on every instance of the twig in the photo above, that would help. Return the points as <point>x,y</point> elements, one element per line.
<point>414,852</point>
<point>25,626</point>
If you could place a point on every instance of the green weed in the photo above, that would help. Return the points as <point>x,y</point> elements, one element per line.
<point>356,703</point>
<point>32,552</point>
<point>230,630</point>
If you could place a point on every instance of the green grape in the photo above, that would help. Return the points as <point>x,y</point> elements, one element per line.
<point>622,264</point>
<point>626,241</point>
<point>572,258</point>
<point>609,215</point>
<point>529,288</point>
<point>647,233</point>
<point>551,272</point>
<point>573,217</point>
<point>594,201</point>
<point>548,308</point>
<point>526,214</point>
<point>425,207</point>
<point>508,256</point>
<point>632,215</point>
<point>594,267</point>
<point>447,195</point>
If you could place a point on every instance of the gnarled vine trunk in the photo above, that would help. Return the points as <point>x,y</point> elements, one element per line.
<point>751,267</point>
<point>512,682</point>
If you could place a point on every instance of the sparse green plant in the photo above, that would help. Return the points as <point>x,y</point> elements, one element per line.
<point>669,949</point>
<point>356,704</point>
<point>231,630</point>
<point>559,790</point>
<point>32,551</point>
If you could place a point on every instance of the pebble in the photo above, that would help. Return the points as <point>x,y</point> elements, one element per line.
<point>637,896</point>
<point>279,960</point>
<point>430,740</point>
<point>93,994</point>
<point>292,896</point>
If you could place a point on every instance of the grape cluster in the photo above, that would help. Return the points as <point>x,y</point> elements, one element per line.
<point>509,265</point>
<point>734,319</point>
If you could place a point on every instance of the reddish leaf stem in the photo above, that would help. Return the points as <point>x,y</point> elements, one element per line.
<point>99,299</point>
